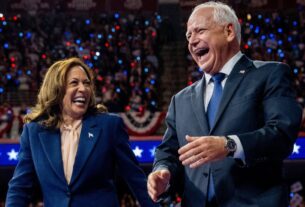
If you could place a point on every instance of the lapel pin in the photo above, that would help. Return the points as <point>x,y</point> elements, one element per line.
<point>90,135</point>
<point>242,71</point>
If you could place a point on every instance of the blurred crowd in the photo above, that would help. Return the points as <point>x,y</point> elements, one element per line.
<point>121,50</point>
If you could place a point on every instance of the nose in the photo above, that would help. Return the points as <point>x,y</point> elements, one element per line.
<point>81,87</point>
<point>193,39</point>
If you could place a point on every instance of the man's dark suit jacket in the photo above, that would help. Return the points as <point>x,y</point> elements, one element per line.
<point>103,149</point>
<point>259,106</point>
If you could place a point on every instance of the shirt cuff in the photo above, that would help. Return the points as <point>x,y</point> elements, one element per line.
<point>239,153</point>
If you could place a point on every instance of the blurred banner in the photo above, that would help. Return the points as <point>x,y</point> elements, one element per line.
<point>143,148</point>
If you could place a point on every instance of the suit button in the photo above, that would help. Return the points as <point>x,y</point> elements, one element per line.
<point>68,192</point>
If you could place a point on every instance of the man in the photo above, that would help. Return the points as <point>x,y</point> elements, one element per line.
<point>230,131</point>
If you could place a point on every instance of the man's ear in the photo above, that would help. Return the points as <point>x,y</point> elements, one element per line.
<point>230,32</point>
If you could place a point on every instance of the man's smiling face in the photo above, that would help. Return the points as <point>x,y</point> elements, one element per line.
<point>208,41</point>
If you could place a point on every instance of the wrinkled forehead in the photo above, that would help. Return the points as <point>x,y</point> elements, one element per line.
<point>201,18</point>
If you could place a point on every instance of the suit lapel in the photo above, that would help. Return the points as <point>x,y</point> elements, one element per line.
<point>88,138</point>
<point>50,141</point>
<point>234,79</point>
<point>198,105</point>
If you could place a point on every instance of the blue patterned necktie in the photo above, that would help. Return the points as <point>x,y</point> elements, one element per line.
<point>211,112</point>
<point>215,99</point>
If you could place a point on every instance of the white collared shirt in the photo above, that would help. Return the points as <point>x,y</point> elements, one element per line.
<point>209,86</point>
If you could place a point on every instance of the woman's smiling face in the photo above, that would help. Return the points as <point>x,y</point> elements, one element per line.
<point>78,94</point>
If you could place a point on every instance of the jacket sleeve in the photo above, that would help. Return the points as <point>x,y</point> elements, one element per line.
<point>20,186</point>
<point>282,118</point>
<point>128,166</point>
<point>166,155</point>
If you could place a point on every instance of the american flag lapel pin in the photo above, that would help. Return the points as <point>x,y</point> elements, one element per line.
<point>242,71</point>
<point>90,135</point>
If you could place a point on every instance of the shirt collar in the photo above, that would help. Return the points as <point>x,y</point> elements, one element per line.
<point>74,126</point>
<point>227,68</point>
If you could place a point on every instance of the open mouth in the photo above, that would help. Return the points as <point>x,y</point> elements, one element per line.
<point>79,101</point>
<point>201,51</point>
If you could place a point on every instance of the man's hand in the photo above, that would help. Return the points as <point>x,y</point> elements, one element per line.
<point>201,150</point>
<point>157,183</point>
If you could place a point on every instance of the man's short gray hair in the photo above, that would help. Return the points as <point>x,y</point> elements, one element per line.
<point>223,14</point>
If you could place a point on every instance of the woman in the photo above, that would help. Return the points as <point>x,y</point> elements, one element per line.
<point>72,147</point>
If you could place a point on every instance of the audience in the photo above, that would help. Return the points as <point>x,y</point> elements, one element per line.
<point>122,51</point>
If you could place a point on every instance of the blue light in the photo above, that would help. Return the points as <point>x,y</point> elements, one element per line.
<point>249,43</point>
<point>90,65</point>
<point>95,57</point>
<point>19,72</point>
<point>282,55</point>
<point>251,26</point>
<point>159,17</point>
<point>269,50</point>
<point>295,23</point>
<point>5,45</point>
<point>91,35</point>
<point>78,41</point>
<point>28,72</point>
<point>1,90</point>
<point>146,23</point>
<point>118,90</point>
<point>267,20</point>
<point>296,70</point>
<point>20,34</point>
<point>28,35</point>
<point>289,38</point>
<point>153,103</point>
<point>110,36</point>
<point>257,29</point>
<point>147,90</point>
<point>4,23</point>
<point>120,61</point>
<point>152,81</point>
<point>138,58</point>
<point>263,37</point>
<point>88,21</point>
<point>125,72</point>
<point>280,42</point>
<point>259,16</point>
<point>8,76</point>
<point>116,15</point>
<point>81,48</point>
<point>280,30</point>
<point>0,30</point>
<point>271,35</point>
<point>146,70</point>
<point>113,29</point>
<point>100,36</point>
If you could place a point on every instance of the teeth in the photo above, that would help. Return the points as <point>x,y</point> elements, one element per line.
<point>80,100</point>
